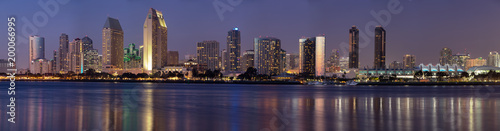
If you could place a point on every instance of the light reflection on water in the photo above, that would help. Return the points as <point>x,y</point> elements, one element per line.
<point>158,106</point>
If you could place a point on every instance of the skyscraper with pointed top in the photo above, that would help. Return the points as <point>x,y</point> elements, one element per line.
<point>112,44</point>
<point>155,41</point>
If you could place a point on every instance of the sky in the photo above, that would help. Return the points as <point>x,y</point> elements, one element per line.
<point>418,27</point>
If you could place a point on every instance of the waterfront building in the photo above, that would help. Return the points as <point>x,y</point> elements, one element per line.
<point>233,50</point>
<point>112,44</point>
<point>446,56</point>
<point>353,47</point>
<point>207,53</point>
<point>173,58</point>
<point>75,57</point>
<point>63,53</point>
<point>36,48</point>
<point>268,56</point>
<point>87,44</point>
<point>91,60</point>
<point>475,62</point>
<point>312,56</point>
<point>247,60</point>
<point>155,41</point>
<point>409,61</point>
<point>380,42</point>
<point>460,59</point>
<point>131,58</point>
<point>493,59</point>
<point>396,65</point>
<point>40,66</point>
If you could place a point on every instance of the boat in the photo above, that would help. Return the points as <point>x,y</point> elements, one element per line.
<point>315,83</point>
<point>351,83</point>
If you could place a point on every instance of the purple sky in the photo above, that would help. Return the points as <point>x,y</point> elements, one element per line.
<point>422,28</point>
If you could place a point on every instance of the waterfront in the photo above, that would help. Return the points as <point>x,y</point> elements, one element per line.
<point>182,106</point>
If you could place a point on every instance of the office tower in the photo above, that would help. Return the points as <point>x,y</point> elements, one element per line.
<point>409,61</point>
<point>353,47</point>
<point>233,50</point>
<point>475,62</point>
<point>75,57</point>
<point>396,65</point>
<point>155,41</point>
<point>36,48</point>
<point>247,60</point>
<point>173,58</point>
<point>334,58</point>
<point>283,61</point>
<point>87,44</point>
<point>460,59</point>
<point>494,59</point>
<point>62,62</point>
<point>91,60</point>
<point>312,56</point>
<point>267,58</point>
<point>380,41</point>
<point>131,58</point>
<point>112,44</point>
<point>54,62</point>
<point>446,56</point>
<point>223,59</point>
<point>207,53</point>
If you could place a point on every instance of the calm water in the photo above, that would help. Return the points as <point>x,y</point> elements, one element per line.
<point>74,106</point>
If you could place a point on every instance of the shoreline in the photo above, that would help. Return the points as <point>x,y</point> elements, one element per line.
<point>281,82</point>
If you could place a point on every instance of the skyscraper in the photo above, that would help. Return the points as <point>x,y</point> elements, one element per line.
<point>460,59</point>
<point>75,57</point>
<point>353,47</point>
<point>87,44</point>
<point>233,50</point>
<point>112,44</point>
<point>283,63</point>
<point>54,62</point>
<point>207,53</point>
<point>247,60</point>
<point>446,56</point>
<point>155,41</point>
<point>223,59</point>
<point>91,60</point>
<point>36,48</point>
<point>312,56</point>
<point>62,62</point>
<point>173,58</point>
<point>494,59</point>
<point>334,58</point>
<point>409,61</point>
<point>380,41</point>
<point>267,58</point>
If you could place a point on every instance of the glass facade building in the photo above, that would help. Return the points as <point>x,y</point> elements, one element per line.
<point>380,41</point>
<point>233,50</point>
<point>112,44</point>
<point>353,47</point>
<point>155,41</point>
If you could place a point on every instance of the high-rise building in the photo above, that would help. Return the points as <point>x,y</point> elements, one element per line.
<point>334,58</point>
<point>268,57</point>
<point>155,41</point>
<point>460,59</point>
<point>312,56</point>
<point>87,44</point>
<point>380,41</point>
<point>223,59</point>
<point>112,44</point>
<point>409,61</point>
<point>54,62</point>
<point>396,65</point>
<point>36,48</point>
<point>91,60</point>
<point>40,66</point>
<point>494,59</point>
<point>247,60</point>
<point>173,58</point>
<point>475,62</point>
<point>233,50</point>
<point>292,61</point>
<point>62,62</point>
<point>353,47</point>
<point>75,57</point>
<point>283,64</point>
<point>446,56</point>
<point>344,64</point>
<point>132,58</point>
<point>207,53</point>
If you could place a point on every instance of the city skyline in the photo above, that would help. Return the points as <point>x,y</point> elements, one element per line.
<point>400,40</point>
